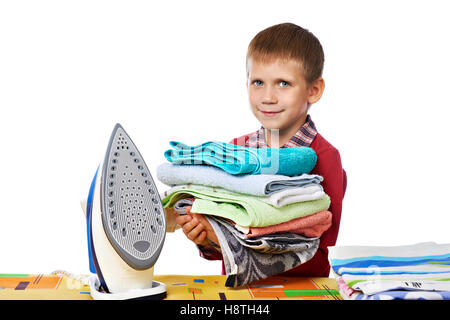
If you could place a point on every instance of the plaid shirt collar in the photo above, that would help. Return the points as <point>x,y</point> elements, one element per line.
<point>302,138</point>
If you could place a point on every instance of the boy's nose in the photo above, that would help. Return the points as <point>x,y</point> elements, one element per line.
<point>269,96</point>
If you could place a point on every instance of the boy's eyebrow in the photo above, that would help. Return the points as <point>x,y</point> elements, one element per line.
<point>284,79</point>
<point>287,79</point>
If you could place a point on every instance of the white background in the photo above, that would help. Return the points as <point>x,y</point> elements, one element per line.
<point>175,70</point>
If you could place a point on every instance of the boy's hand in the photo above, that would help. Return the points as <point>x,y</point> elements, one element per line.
<point>193,229</point>
<point>197,228</point>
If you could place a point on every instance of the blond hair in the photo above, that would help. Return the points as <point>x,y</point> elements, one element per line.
<point>288,41</point>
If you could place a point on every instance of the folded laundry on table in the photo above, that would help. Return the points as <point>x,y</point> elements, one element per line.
<point>420,271</point>
<point>244,264</point>
<point>244,210</point>
<point>244,160</point>
<point>391,293</point>
<point>257,185</point>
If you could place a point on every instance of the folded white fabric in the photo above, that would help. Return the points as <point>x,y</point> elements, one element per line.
<point>404,273</point>
<point>288,196</point>
<point>258,185</point>
<point>372,287</point>
<point>399,291</point>
<point>414,250</point>
<point>384,272</point>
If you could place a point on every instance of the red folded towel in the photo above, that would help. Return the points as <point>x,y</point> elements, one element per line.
<point>310,226</point>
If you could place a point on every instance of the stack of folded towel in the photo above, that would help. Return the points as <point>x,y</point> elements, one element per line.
<point>413,272</point>
<point>266,210</point>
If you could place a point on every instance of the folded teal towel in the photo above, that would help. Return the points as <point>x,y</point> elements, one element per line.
<point>243,160</point>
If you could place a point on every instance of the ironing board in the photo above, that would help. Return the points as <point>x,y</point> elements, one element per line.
<point>179,287</point>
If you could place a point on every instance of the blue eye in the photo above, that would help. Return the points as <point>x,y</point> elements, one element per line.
<point>258,83</point>
<point>284,84</point>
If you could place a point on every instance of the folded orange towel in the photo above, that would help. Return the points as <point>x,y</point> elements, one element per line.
<point>309,226</point>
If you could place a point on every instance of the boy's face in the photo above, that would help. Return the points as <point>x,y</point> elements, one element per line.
<point>279,95</point>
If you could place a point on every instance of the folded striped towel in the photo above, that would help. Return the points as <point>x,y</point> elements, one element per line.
<point>397,290</point>
<point>381,271</point>
<point>244,160</point>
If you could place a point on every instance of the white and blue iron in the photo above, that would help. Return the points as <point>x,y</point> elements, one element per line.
<point>126,225</point>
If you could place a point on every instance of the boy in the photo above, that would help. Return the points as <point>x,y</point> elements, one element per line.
<point>284,78</point>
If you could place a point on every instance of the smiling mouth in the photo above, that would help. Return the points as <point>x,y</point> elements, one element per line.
<point>271,113</point>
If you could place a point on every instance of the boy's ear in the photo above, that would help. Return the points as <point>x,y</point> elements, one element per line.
<point>315,90</point>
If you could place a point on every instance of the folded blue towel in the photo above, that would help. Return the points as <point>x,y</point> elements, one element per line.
<point>243,160</point>
<point>254,184</point>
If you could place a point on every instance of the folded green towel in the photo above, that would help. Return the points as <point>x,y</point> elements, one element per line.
<point>243,160</point>
<point>245,210</point>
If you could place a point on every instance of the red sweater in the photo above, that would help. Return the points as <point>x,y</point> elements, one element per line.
<point>334,184</point>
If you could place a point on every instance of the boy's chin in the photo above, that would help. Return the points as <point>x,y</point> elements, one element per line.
<point>270,126</point>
